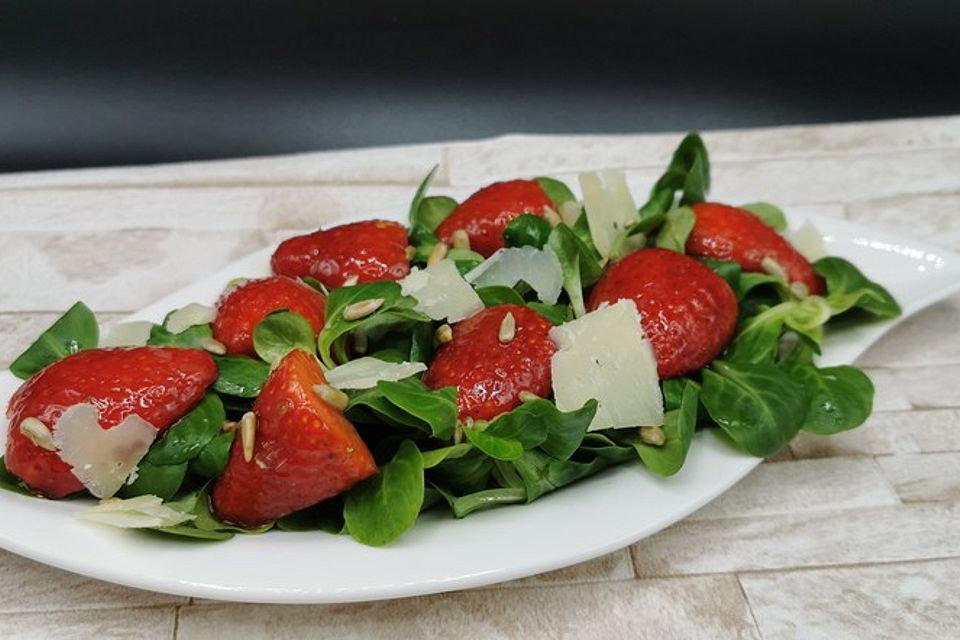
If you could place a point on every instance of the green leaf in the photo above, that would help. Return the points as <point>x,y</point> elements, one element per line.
<point>497,294</point>
<point>190,434</point>
<point>771,215</point>
<point>418,197</point>
<point>580,267</point>
<point>688,172</point>
<point>410,403</point>
<point>527,230</point>
<point>463,474</point>
<point>192,338</point>
<point>841,398</point>
<point>434,457</point>
<point>161,480</point>
<point>213,458</point>
<point>678,427</point>
<point>497,447</point>
<point>240,376</point>
<point>565,431</point>
<point>378,510</point>
<point>488,498</point>
<point>674,232</point>
<point>556,190</point>
<point>759,406</point>
<point>848,288</point>
<point>433,210</point>
<point>74,331</point>
<point>726,269</point>
<point>557,314</point>
<point>206,521</point>
<point>396,308</point>
<point>542,473</point>
<point>280,333</point>
<point>326,516</point>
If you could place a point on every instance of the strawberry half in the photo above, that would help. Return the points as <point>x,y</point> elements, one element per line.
<point>305,451</point>
<point>722,232</point>
<point>240,310</point>
<point>486,213</point>
<point>688,312</point>
<point>158,384</point>
<point>489,366</point>
<point>371,250</point>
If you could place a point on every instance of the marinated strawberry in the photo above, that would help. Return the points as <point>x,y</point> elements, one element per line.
<point>688,312</point>
<point>722,232</point>
<point>368,251</point>
<point>158,384</point>
<point>241,309</point>
<point>304,450</point>
<point>486,213</point>
<point>493,356</point>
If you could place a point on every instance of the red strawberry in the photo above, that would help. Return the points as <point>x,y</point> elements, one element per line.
<point>370,250</point>
<point>158,384</point>
<point>305,451</point>
<point>490,373</point>
<point>722,232</point>
<point>688,312</point>
<point>241,309</point>
<point>486,213</point>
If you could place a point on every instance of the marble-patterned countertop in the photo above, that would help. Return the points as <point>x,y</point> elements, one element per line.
<point>853,536</point>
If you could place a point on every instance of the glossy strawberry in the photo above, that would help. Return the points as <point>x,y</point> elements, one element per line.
<point>305,450</point>
<point>722,232</point>
<point>489,372</point>
<point>688,312</point>
<point>158,384</point>
<point>370,250</point>
<point>241,309</point>
<point>486,213</point>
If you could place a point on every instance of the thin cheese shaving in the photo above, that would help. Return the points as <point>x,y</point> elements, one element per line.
<point>365,373</point>
<point>102,459</point>
<point>441,292</point>
<point>539,268</point>
<point>604,355</point>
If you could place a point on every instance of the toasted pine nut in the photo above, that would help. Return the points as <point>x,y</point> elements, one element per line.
<point>438,253</point>
<point>248,434</point>
<point>362,309</point>
<point>332,396</point>
<point>508,329</point>
<point>443,334</point>
<point>37,433</point>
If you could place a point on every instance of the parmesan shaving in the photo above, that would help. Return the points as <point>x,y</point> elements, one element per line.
<point>539,268</point>
<point>189,316</point>
<point>610,207</point>
<point>441,292</point>
<point>135,513</point>
<point>604,355</point>
<point>128,334</point>
<point>102,459</point>
<point>365,373</point>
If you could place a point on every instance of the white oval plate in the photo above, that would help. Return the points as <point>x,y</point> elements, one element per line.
<point>597,516</point>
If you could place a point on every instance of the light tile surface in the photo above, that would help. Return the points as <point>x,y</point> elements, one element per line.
<point>856,535</point>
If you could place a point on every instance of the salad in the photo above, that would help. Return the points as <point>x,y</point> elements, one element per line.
<point>494,351</point>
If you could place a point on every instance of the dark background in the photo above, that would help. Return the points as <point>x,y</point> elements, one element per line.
<point>85,84</point>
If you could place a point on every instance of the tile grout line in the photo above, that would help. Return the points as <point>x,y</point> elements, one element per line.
<point>746,601</point>
<point>176,621</point>
<point>796,569</point>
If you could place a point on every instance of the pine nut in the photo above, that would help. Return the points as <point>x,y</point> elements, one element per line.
<point>213,346</point>
<point>438,253</point>
<point>36,432</point>
<point>248,434</point>
<point>444,334</point>
<point>362,309</point>
<point>460,239</point>
<point>653,436</point>
<point>332,396</point>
